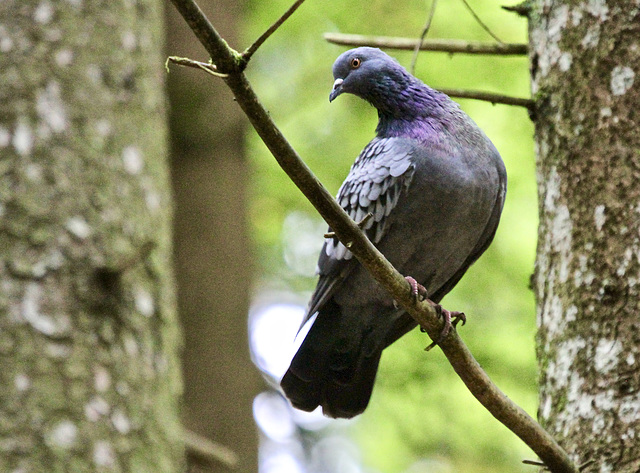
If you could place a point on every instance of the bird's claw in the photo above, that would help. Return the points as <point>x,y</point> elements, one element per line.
<point>418,291</point>
<point>458,317</point>
<point>450,318</point>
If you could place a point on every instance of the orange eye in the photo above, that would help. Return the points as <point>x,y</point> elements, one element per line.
<point>355,63</point>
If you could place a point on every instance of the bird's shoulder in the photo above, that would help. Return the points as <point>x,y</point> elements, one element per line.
<point>377,179</point>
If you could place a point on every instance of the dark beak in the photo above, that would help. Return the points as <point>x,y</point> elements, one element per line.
<point>337,89</point>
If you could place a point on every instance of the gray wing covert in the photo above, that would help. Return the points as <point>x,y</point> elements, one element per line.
<point>380,175</point>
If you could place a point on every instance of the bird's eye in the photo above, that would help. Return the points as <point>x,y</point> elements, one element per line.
<point>355,62</point>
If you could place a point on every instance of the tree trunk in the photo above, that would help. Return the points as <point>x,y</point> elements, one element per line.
<point>214,267</point>
<point>88,331</point>
<point>585,61</point>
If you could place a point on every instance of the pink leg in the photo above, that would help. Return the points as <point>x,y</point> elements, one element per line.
<point>450,318</point>
<point>418,290</point>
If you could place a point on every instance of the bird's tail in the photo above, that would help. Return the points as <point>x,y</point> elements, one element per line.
<point>336,365</point>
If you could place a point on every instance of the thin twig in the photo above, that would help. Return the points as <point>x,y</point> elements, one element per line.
<point>489,97</point>
<point>522,9</point>
<point>480,22</point>
<point>463,362</point>
<point>202,450</point>
<point>441,45</point>
<point>584,465</point>
<point>184,61</point>
<point>361,225</point>
<point>246,55</point>
<point>533,462</point>
<point>423,35</point>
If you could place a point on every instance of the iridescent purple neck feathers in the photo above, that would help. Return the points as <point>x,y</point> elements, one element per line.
<point>411,110</point>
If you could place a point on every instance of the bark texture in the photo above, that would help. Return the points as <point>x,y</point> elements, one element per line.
<point>88,331</point>
<point>585,64</point>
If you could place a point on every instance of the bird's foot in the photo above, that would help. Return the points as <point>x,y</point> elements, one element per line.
<point>450,318</point>
<point>418,291</point>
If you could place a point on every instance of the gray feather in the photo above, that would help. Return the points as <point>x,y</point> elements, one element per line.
<point>389,160</point>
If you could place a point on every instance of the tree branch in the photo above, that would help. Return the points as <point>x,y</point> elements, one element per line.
<point>481,23</point>
<point>186,62</point>
<point>202,450</point>
<point>522,9</point>
<point>489,97</point>
<point>348,232</point>
<point>246,55</point>
<point>440,45</point>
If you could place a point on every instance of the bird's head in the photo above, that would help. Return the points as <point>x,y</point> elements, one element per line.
<point>373,76</point>
<point>364,70</point>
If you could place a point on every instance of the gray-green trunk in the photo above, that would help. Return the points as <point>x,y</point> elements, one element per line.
<point>89,377</point>
<point>585,70</point>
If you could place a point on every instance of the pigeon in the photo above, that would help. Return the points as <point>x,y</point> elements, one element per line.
<point>434,186</point>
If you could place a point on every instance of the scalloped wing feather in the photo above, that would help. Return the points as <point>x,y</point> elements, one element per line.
<point>382,172</point>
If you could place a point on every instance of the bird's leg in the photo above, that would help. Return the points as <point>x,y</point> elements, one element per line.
<point>418,291</point>
<point>450,318</point>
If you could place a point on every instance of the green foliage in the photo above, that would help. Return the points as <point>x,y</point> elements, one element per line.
<point>420,409</point>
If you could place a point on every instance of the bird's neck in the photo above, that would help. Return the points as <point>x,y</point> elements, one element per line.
<point>411,109</point>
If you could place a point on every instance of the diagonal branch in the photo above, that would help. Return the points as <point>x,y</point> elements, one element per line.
<point>441,45</point>
<point>463,362</point>
<point>207,452</point>
<point>246,55</point>
<point>480,22</point>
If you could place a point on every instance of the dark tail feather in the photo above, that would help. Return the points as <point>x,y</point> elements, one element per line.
<point>336,364</point>
<point>302,383</point>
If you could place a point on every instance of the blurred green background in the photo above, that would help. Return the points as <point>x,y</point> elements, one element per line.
<point>421,417</point>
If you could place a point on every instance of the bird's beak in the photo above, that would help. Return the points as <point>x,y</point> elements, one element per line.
<point>337,89</point>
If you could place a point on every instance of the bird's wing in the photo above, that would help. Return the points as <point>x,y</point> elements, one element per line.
<point>380,175</point>
<point>484,241</point>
